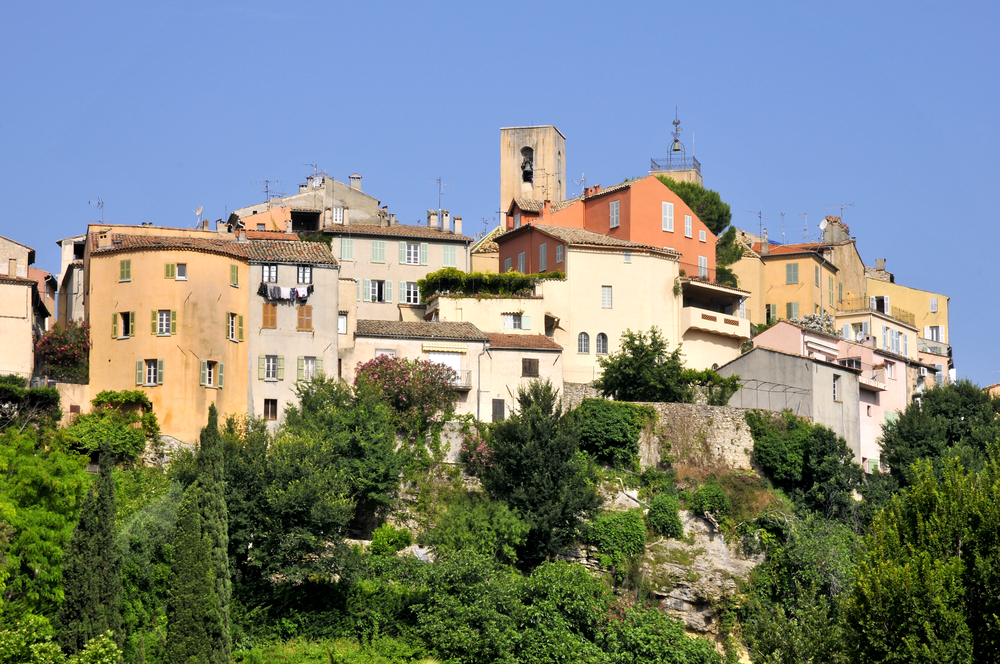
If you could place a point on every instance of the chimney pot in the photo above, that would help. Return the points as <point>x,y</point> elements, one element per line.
<point>765,248</point>
<point>243,235</point>
<point>546,208</point>
<point>288,226</point>
<point>445,221</point>
<point>392,218</point>
<point>432,218</point>
<point>458,225</point>
<point>880,264</point>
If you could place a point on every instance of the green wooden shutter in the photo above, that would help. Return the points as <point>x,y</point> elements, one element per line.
<point>301,364</point>
<point>173,321</point>
<point>319,366</point>
<point>204,373</point>
<point>159,372</point>
<point>402,253</point>
<point>131,323</point>
<point>402,292</point>
<point>239,327</point>
<point>138,372</point>
<point>388,290</point>
<point>152,329</point>
<point>114,325</point>
<point>234,275</point>
<point>170,270</point>
<point>358,283</point>
<point>366,291</point>
<point>260,367</point>
<point>121,270</point>
<point>226,321</point>
<point>281,367</point>
<point>221,368</point>
<point>423,253</point>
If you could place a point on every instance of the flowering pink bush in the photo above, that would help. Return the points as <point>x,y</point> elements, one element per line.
<point>418,391</point>
<point>476,453</point>
<point>65,345</point>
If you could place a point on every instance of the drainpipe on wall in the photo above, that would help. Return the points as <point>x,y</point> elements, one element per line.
<point>479,379</point>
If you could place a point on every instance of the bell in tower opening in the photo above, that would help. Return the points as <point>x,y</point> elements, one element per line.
<point>527,164</point>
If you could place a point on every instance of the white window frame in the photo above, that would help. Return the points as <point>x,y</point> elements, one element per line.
<point>305,274</point>
<point>338,215</point>
<point>687,225</point>
<point>163,322</point>
<point>702,237</point>
<point>269,273</point>
<point>614,213</point>
<point>413,253</point>
<point>271,367</point>
<point>890,370</point>
<point>836,387</point>
<point>341,323</point>
<point>309,370</point>
<point>151,373</point>
<point>373,290</point>
<point>232,327</point>
<point>667,213</point>
<point>182,272</point>
<point>411,292</point>
<point>583,343</point>
<point>703,267</point>
<point>607,299</point>
<point>210,374</point>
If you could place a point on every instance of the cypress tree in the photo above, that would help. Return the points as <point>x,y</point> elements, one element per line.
<point>92,570</point>
<point>215,527</point>
<point>192,606</point>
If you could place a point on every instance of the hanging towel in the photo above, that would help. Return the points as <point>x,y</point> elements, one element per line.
<point>302,292</point>
<point>273,292</point>
<point>286,293</point>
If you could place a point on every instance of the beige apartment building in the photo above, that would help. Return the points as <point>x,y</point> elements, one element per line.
<point>23,314</point>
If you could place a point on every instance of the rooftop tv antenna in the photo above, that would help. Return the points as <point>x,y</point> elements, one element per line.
<point>582,183</point>
<point>100,205</point>
<point>805,216</point>
<point>441,185</point>
<point>197,214</point>
<point>842,206</point>
<point>269,187</point>
<point>760,223</point>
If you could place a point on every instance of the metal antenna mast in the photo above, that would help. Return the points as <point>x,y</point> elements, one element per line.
<point>100,206</point>
<point>805,216</point>
<point>760,223</point>
<point>582,183</point>
<point>842,206</point>
<point>441,185</point>
<point>268,187</point>
<point>782,227</point>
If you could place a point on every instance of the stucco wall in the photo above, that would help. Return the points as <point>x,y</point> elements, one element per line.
<point>10,250</point>
<point>18,354</point>
<point>917,302</point>
<point>286,341</point>
<point>549,146</point>
<point>487,313</point>
<point>502,376</point>
<point>201,302</point>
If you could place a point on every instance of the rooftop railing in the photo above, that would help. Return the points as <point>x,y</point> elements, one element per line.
<point>675,164</point>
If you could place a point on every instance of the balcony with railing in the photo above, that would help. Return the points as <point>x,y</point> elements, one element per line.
<point>462,380</point>
<point>678,163</point>
<point>712,308</point>
<point>864,303</point>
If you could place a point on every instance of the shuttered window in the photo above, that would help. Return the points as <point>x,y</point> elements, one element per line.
<point>170,270</point>
<point>668,217</point>
<point>542,257</point>
<point>346,249</point>
<point>234,275</point>
<point>125,270</point>
<point>449,256</point>
<point>792,273</point>
<point>614,213</point>
<point>269,318</point>
<point>378,251</point>
<point>305,321</point>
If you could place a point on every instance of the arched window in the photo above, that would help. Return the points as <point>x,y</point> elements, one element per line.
<point>527,164</point>
<point>583,343</point>
<point>602,344</point>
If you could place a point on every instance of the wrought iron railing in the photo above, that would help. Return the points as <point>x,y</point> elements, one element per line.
<point>463,380</point>
<point>675,164</point>
<point>861,303</point>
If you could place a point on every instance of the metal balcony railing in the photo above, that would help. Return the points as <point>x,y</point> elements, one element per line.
<point>463,380</point>
<point>861,303</point>
<point>675,164</point>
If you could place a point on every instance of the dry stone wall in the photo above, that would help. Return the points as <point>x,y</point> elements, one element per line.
<point>707,436</point>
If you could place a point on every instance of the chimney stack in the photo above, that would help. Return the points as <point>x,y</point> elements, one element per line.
<point>880,264</point>
<point>243,235</point>
<point>288,226</point>
<point>458,225</point>
<point>432,219</point>
<point>356,181</point>
<point>445,221</point>
<point>392,218</point>
<point>546,208</point>
<point>765,248</point>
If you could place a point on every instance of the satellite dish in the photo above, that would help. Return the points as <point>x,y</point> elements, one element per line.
<point>198,211</point>
<point>822,225</point>
<point>859,336</point>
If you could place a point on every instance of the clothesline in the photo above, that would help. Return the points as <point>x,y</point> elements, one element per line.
<point>273,292</point>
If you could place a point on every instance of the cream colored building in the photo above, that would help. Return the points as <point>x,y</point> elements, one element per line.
<point>387,261</point>
<point>23,314</point>
<point>511,362</point>
<point>319,204</point>
<point>485,253</point>
<point>70,279</point>
<point>292,331</point>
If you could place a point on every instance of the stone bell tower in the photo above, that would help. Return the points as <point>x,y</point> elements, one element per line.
<point>532,164</point>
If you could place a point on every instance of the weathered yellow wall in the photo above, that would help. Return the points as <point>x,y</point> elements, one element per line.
<point>201,302</point>
<point>917,302</point>
<point>18,354</point>
<point>749,271</point>
<point>805,291</point>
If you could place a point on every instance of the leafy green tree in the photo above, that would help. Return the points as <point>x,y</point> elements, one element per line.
<point>194,623</point>
<point>539,471</point>
<point>664,518</point>
<point>620,537</point>
<point>706,203</point>
<point>610,430</point>
<point>246,441</point>
<point>474,522</point>
<point>125,419</point>
<point>21,406</point>
<point>42,484</point>
<point>92,580</point>
<point>388,540</point>
<point>957,419</point>
<point>643,370</point>
<point>215,526</point>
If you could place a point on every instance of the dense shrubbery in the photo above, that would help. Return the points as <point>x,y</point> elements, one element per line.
<point>478,284</point>
<point>21,406</point>
<point>663,517</point>
<point>387,540</point>
<point>123,419</point>
<point>620,537</point>
<point>472,522</point>
<point>63,352</point>
<point>610,430</point>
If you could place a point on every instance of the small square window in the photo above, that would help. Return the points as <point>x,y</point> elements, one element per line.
<point>270,273</point>
<point>305,275</point>
<point>270,409</point>
<point>271,367</point>
<point>182,272</point>
<point>529,367</point>
<point>261,227</point>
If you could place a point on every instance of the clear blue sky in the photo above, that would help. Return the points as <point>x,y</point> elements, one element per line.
<point>159,108</point>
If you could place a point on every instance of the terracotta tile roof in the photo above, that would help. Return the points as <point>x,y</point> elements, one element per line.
<point>399,230</point>
<point>612,189</point>
<point>18,281</point>
<point>271,235</point>
<point>578,236</point>
<point>125,242</point>
<point>778,249</point>
<point>559,205</point>
<point>419,330</point>
<point>292,251</point>
<point>529,204</point>
<point>529,341</point>
<point>289,251</point>
<point>487,244</point>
